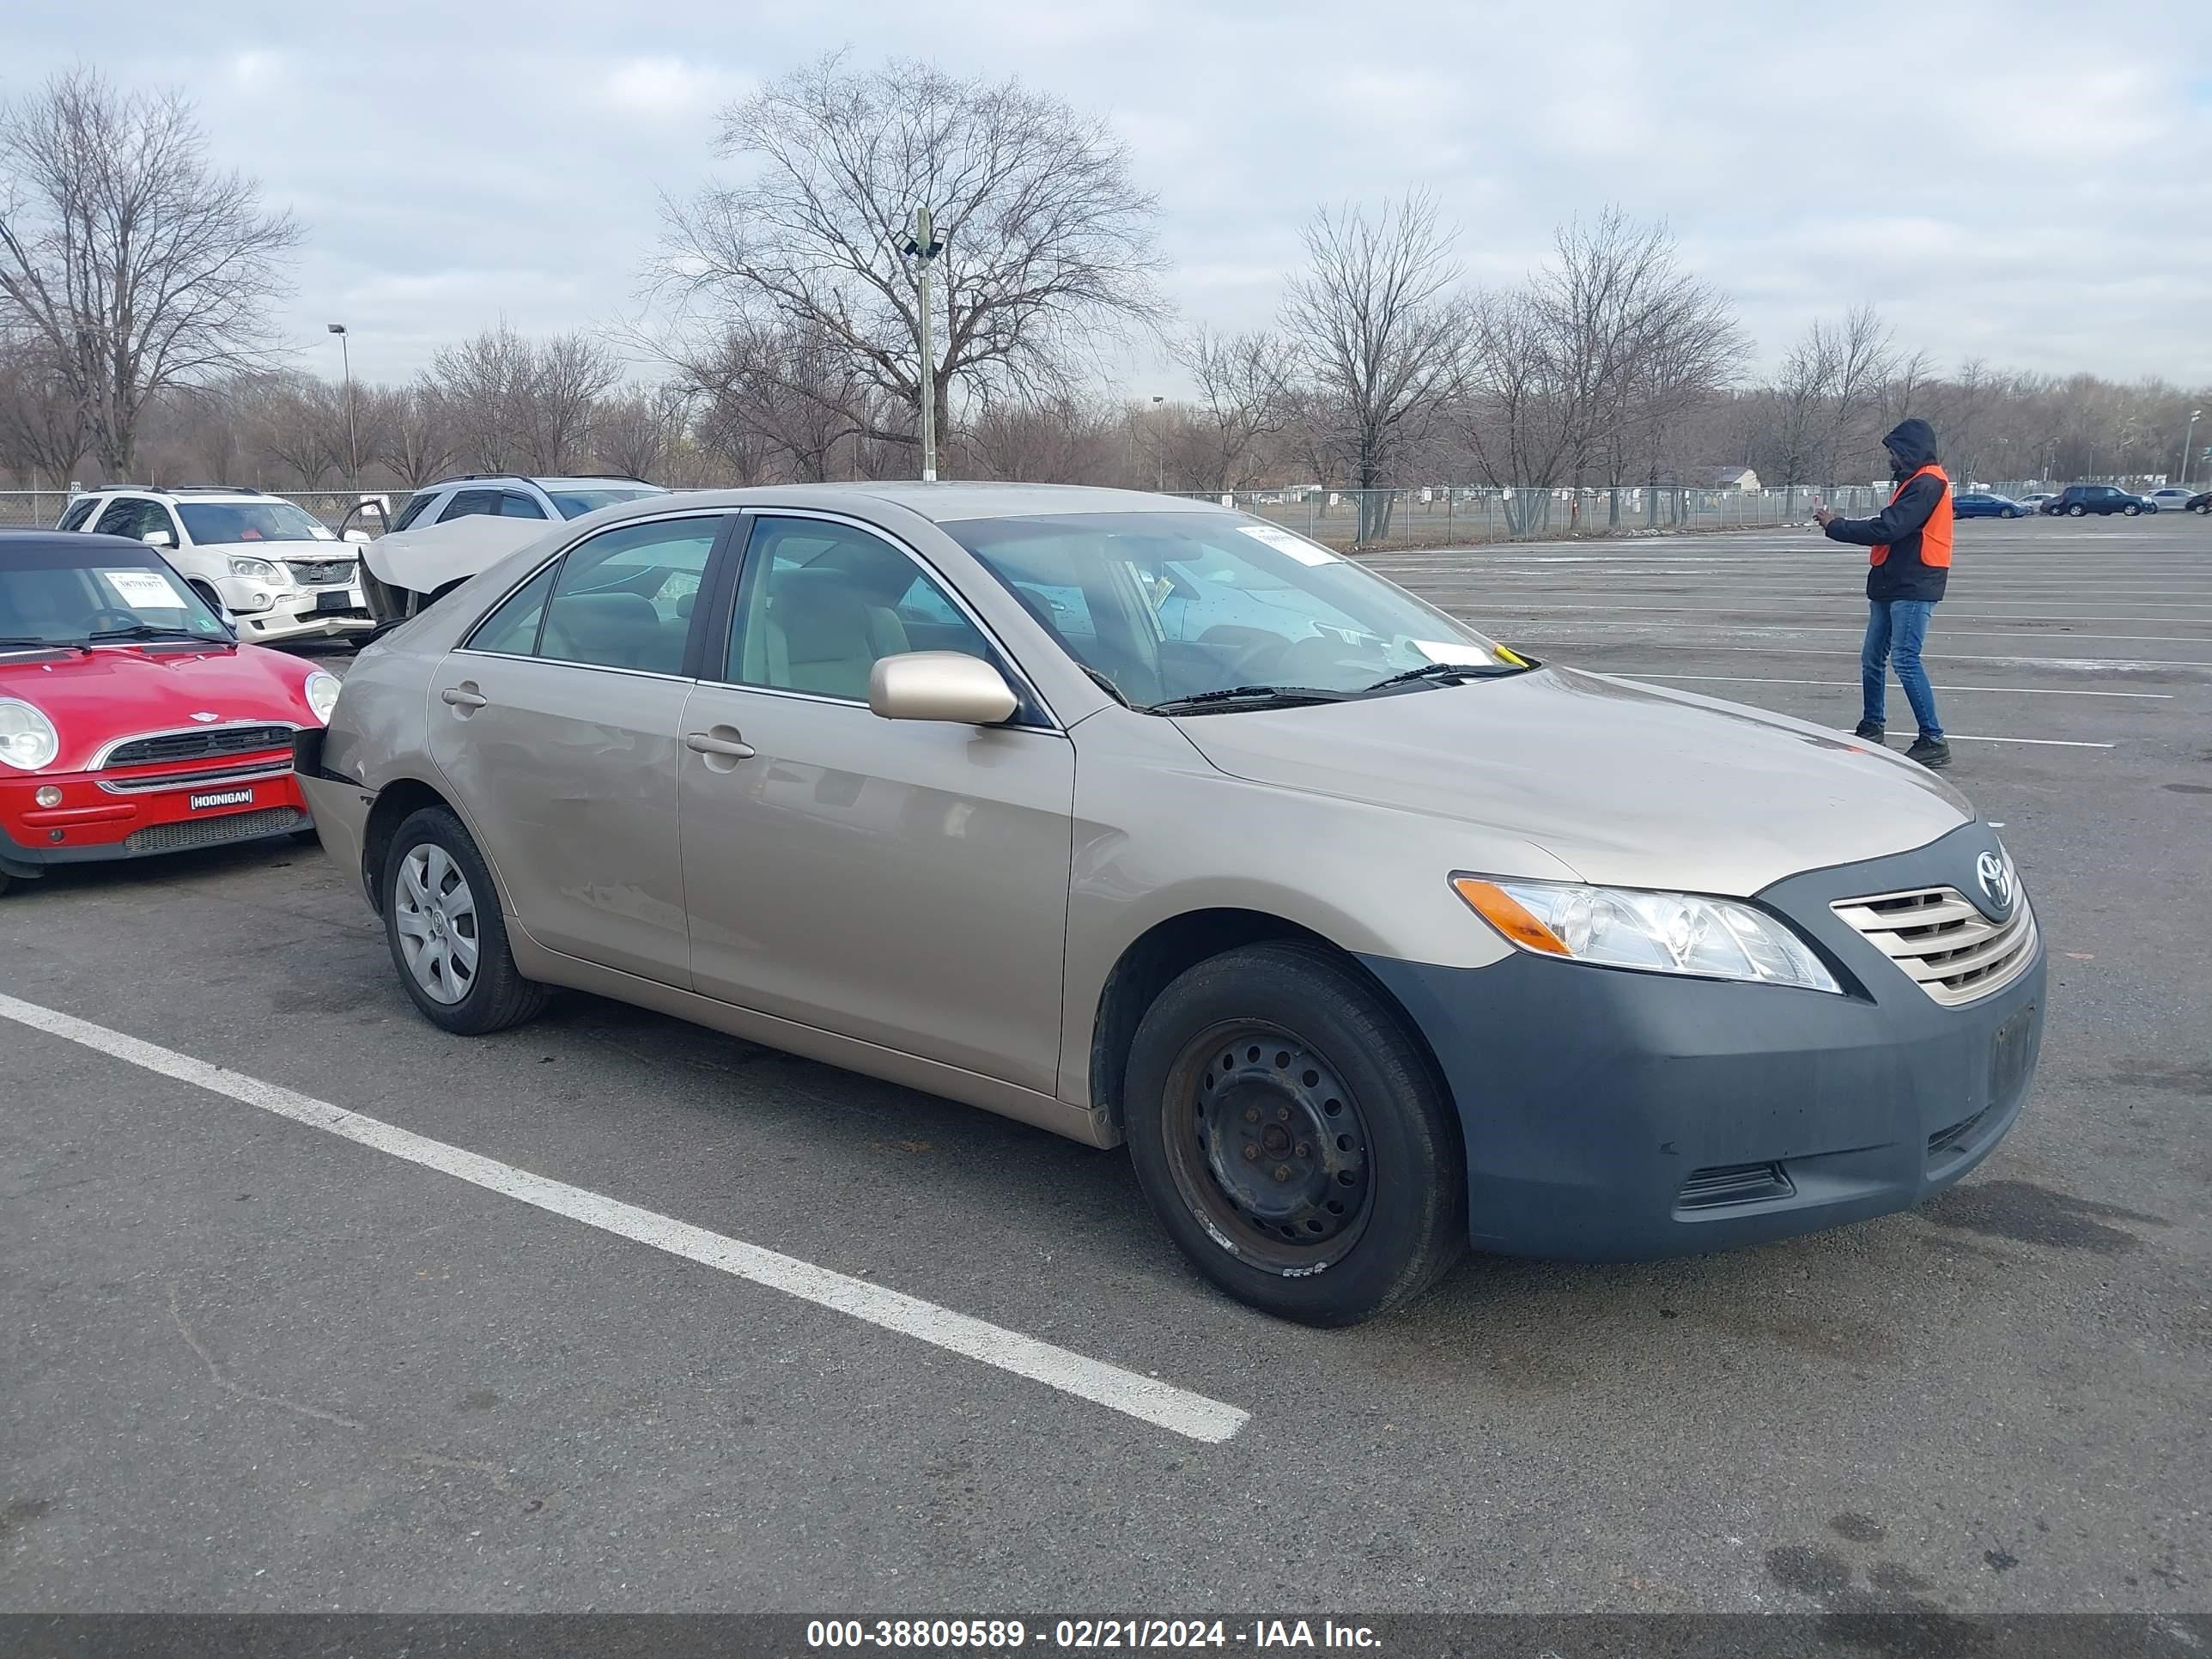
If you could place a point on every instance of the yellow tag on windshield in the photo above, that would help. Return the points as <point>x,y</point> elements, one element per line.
<point>1507,656</point>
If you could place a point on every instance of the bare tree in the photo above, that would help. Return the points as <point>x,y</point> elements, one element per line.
<point>1379,337</point>
<point>795,390</point>
<point>1582,374</point>
<point>638,434</point>
<point>126,256</point>
<point>42,432</point>
<point>523,404</point>
<point>1243,399</point>
<point>1048,245</point>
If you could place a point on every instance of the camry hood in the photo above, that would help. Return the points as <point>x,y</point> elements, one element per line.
<point>423,560</point>
<point>113,693</point>
<point>1626,784</point>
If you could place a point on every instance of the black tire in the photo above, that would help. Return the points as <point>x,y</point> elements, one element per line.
<point>2130,510</point>
<point>495,995</point>
<point>1304,1042</point>
<point>2203,512</point>
<point>2012,513</point>
<point>2077,511</point>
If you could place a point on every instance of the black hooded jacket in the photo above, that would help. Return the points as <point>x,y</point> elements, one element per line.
<point>1912,444</point>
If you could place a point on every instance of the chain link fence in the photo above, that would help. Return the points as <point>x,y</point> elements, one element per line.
<point>1428,515</point>
<point>1451,516</point>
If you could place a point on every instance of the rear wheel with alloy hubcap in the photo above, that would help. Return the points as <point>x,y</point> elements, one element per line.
<point>448,939</point>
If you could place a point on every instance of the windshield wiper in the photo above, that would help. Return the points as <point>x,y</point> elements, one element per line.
<point>25,642</point>
<point>153,631</point>
<point>1105,685</point>
<point>1245,697</point>
<point>1450,673</point>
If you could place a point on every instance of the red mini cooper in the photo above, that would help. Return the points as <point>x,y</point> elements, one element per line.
<point>131,719</point>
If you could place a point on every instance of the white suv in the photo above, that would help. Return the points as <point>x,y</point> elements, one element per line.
<point>271,566</point>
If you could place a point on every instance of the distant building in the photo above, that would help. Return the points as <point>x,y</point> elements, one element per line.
<point>1709,477</point>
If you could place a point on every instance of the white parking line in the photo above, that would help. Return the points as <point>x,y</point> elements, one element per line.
<point>1819,628</point>
<point>2045,743</point>
<point>2009,690</point>
<point>2079,664</point>
<point>1144,1398</point>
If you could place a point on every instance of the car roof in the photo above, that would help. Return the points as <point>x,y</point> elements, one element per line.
<point>221,494</point>
<point>544,481</point>
<point>950,501</point>
<point>63,541</point>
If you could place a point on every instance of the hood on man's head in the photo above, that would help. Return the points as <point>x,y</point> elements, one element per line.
<point>1912,444</point>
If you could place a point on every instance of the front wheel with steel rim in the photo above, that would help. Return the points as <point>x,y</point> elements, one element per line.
<point>1293,1137</point>
<point>448,939</point>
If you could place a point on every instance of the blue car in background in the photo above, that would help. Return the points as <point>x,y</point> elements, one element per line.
<point>1977,504</point>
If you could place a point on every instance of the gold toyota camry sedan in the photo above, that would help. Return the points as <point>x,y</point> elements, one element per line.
<point>1145,821</point>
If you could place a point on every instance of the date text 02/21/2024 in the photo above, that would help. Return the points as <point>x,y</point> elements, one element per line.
<point>1089,1635</point>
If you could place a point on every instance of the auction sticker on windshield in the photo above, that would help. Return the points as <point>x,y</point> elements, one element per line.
<point>1282,541</point>
<point>140,588</point>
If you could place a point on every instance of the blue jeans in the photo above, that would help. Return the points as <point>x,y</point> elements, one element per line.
<point>1895,630</point>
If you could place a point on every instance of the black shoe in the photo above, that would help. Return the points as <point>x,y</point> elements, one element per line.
<point>1929,752</point>
<point>1872,730</point>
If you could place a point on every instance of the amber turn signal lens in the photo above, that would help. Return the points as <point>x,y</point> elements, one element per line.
<point>1508,916</point>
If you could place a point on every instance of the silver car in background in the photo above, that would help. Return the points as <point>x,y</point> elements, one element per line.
<point>1149,821</point>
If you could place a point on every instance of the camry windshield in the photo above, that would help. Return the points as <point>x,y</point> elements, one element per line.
<point>66,597</point>
<point>1169,607</point>
<point>211,523</point>
<point>576,500</point>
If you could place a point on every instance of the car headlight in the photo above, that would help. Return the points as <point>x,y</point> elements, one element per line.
<point>259,570</point>
<point>322,694</point>
<point>28,739</point>
<point>1657,932</point>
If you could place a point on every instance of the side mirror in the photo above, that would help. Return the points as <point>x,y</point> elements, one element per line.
<point>359,535</point>
<point>940,685</point>
<point>159,538</point>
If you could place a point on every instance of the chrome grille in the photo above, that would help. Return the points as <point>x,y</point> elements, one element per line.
<point>144,783</point>
<point>320,573</point>
<point>214,743</point>
<point>1943,942</point>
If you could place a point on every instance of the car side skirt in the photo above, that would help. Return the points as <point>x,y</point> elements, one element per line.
<point>871,1060</point>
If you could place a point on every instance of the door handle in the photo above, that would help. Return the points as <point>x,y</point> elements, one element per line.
<point>705,743</point>
<point>462,697</point>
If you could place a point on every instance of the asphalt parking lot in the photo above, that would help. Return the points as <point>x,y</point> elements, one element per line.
<point>255,1365</point>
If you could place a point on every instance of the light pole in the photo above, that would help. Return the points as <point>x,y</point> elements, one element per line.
<point>2189,444</point>
<point>353,443</point>
<point>1159,448</point>
<point>923,247</point>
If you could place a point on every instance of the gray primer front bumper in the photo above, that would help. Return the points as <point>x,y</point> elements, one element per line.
<point>1589,1095</point>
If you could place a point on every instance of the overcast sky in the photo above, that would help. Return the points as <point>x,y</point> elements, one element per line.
<point>2030,183</point>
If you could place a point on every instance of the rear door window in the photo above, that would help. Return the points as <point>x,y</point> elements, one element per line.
<point>124,517</point>
<point>79,511</point>
<point>515,505</point>
<point>467,503</point>
<point>413,510</point>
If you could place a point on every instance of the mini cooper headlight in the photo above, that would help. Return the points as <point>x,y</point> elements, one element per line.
<point>1657,932</point>
<point>28,739</point>
<point>322,694</point>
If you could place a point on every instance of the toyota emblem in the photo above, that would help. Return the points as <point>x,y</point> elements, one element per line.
<point>1995,871</point>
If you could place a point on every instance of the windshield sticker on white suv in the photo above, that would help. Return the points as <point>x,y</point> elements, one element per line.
<point>142,590</point>
<point>1283,542</point>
